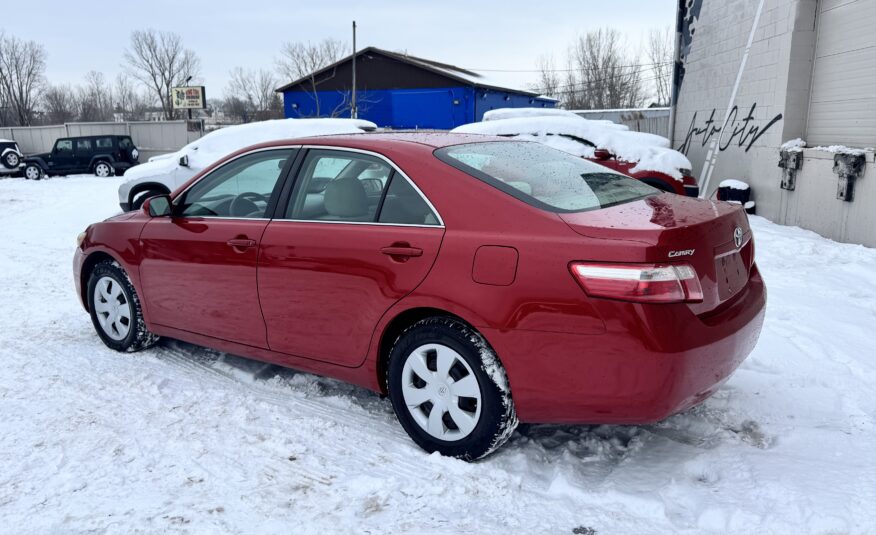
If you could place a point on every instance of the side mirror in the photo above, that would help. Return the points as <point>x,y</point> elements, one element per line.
<point>158,206</point>
<point>601,154</point>
<point>184,160</point>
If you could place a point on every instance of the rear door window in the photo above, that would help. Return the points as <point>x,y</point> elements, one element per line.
<point>544,177</point>
<point>125,143</point>
<point>341,186</point>
<point>104,142</point>
<point>83,146</point>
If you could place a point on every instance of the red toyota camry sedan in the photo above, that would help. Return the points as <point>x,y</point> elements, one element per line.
<point>474,280</point>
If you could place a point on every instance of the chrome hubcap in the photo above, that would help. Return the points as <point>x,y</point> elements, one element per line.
<point>12,159</point>
<point>112,308</point>
<point>441,392</point>
<point>32,173</point>
<point>102,170</point>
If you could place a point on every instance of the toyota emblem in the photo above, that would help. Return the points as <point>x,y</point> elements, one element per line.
<point>737,237</point>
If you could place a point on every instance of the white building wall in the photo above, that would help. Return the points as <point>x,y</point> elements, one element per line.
<point>775,96</point>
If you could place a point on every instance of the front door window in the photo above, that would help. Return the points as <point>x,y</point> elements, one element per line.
<point>240,189</point>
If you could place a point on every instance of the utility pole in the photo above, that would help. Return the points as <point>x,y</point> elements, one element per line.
<point>354,113</point>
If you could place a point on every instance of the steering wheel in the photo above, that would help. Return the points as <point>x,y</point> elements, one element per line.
<point>244,204</point>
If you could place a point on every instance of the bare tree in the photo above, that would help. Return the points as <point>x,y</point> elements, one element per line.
<point>599,73</point>
<point>59,104</point>
<point>159,60</point>
<point>299,60</point>
<point>659,51</point>
<point>254,90</point>
<point>548,77</point>
<point>22,70</point>
<point>130,104</point>
<point>237,109</point>
<point>95,98</point>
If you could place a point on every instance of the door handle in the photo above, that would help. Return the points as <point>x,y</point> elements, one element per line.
<point>241,243</point>
<point>404,251</point>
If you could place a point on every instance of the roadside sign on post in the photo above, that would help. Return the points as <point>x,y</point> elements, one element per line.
<point>188,98</point>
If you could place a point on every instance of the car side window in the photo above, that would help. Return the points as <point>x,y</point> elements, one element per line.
<point>125,143</point>
<point>404,205</point>
<point>64,145</point>
<point>335,185</point>
<point>104,142</point>
<point>241,188</point>
<point>83,146</point>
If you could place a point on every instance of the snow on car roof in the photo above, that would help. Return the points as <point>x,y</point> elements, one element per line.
<point>649,152</point>
<point>217,144</point>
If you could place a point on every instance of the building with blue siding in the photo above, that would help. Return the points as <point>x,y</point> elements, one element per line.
<point>401,91</point>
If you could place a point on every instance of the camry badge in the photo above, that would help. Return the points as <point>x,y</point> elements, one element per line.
<point>737,237</point>
<point>686,252</point>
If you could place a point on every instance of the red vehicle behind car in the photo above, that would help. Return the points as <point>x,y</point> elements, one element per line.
<point>688,185</point>
<point>475,280</point>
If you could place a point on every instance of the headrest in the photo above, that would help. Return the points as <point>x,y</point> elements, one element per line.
<point>346,197</point>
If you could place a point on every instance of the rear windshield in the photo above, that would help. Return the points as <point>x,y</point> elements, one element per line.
<point>544,177</point>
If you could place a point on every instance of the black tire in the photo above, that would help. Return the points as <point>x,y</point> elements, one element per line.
<point>140,197</point>
<point>497,418</point>
<point>33,171</point>
<point>138,336</point>
<point>102,165</point>
<point>11,160</point>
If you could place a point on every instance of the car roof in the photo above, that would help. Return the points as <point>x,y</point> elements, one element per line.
<point>427,140</point>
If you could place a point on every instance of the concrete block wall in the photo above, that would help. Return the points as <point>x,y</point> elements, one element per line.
<point>772,101</point>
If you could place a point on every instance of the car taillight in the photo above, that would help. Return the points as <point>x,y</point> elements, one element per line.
<point>641,283</point>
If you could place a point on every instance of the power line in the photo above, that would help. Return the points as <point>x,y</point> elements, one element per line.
<point>568,70</point>
<point>585,84</point>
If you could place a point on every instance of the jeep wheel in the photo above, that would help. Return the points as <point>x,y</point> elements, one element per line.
<point>103,169</point>
<point>11,160</point>
<point>33,172</point>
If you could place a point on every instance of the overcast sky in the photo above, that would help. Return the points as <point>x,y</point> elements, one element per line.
<point>85,35</point>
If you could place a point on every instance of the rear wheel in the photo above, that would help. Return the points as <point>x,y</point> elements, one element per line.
<point>33,172</point>
<point>115,309</point>
<point>11,160</point>
<point>103,169</point>
<point>448,389</point>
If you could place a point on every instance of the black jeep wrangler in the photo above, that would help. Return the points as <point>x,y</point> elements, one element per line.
<point>102,155</point>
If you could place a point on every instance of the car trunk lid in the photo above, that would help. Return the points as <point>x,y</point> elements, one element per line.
<point>712,236</point>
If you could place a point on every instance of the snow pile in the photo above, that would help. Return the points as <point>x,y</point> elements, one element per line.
<point>797,145</point>
<point>180,439</point>
<point>516,113</point>
<point>220,143</point>
<point>842,149</point>
<point>648,151</point>
<point>734,184</point>
<point>794,145</point>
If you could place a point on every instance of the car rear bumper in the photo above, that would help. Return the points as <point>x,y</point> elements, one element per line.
<point>652,362</point>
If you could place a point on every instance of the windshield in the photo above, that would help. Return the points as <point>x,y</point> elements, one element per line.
<point>544,177</point>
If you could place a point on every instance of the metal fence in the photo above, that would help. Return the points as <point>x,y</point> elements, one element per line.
<point>650,120</point>
<point>150,137</point>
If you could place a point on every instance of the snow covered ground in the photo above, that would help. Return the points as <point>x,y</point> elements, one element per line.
<point>180,439</point>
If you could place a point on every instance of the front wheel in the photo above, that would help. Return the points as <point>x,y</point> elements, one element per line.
<point>448,389</point>
<point>103,169</point>
<point>33,172</point>
<point>115,309</point>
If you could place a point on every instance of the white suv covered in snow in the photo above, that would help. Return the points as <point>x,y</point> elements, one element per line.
<point>165,173</point>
